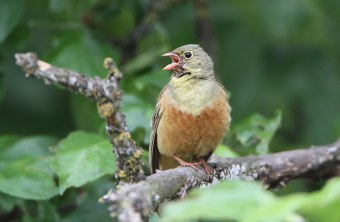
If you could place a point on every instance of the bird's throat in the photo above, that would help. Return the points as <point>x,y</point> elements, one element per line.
<point>179,72</point>
<point>192,95</point>
<point>180,75</point>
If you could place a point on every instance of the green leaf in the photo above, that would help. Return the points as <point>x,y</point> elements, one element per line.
<point>250,202</point>
<point>143,60</point>
<point>257,131</point>
<point>154,217</point>
<point>24,168</point>
<point>6,141</point>
<point>225,151</point>
<point>80,158</point>
<point>284,209</point>
<point>158,78</point>
<point>81,52</point>
<point>324,205</point>
<point>10,15</point>
<point>13,148</point>
<point>84,109</point>
<point>232,200</point>
<point>235,201</point>
<point>138,114</point>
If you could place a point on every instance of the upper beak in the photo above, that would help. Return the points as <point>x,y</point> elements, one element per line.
<point>175,59</point>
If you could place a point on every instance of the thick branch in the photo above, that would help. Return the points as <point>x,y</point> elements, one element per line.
<point>107,95</point>
<point>136,202</point>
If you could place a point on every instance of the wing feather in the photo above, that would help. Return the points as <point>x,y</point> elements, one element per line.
<point>154,154</point>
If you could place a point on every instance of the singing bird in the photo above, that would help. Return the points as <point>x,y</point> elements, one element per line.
<point>192,113</point>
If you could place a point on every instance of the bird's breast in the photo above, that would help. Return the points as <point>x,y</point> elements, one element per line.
<point>190,133</point>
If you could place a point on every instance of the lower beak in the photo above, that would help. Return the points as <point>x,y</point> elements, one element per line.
<point>175,60</point>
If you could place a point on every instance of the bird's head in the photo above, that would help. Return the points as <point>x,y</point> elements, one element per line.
<point>190,61</point>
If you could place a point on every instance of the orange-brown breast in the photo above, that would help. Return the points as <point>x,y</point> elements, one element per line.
<point>190,136</point>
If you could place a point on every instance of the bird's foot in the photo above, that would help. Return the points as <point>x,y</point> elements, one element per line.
<point>184,163</point>
<point>207,169</point>
<point>194,165</point>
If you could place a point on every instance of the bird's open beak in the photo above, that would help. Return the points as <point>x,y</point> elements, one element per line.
<point>175,59</point>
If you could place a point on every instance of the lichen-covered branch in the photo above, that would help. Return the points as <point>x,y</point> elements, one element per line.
<point>127,152</point>
<point>93,88</point>
<point>135,202</point>
<point>107,95</point>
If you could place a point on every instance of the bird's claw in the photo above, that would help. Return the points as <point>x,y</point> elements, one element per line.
<point>194,165</point>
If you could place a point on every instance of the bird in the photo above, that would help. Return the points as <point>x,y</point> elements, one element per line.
<point>192,112</point>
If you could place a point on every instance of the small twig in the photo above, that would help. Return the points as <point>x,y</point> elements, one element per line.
<point>136,202</point>
<point>93,88</point>
<point>107,95</point>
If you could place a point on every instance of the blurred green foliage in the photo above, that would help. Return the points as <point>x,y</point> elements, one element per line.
<point>256,131</point>
<point>270,55</point>
<point>250,202</point>
<point>25,171</point>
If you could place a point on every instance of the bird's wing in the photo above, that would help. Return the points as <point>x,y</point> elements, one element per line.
<point>154,154</point>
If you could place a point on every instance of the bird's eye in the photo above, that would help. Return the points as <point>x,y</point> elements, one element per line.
<point>188,55</point>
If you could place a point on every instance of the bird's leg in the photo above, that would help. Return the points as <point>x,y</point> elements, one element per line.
<point>194,165</point>
<point>184,163</point>
<point>207,169</point>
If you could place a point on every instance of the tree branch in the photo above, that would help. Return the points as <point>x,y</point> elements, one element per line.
<point>107,95</point>
<point>135,202</point>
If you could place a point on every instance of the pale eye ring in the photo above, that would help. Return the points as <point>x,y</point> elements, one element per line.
<point>188,55</point>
